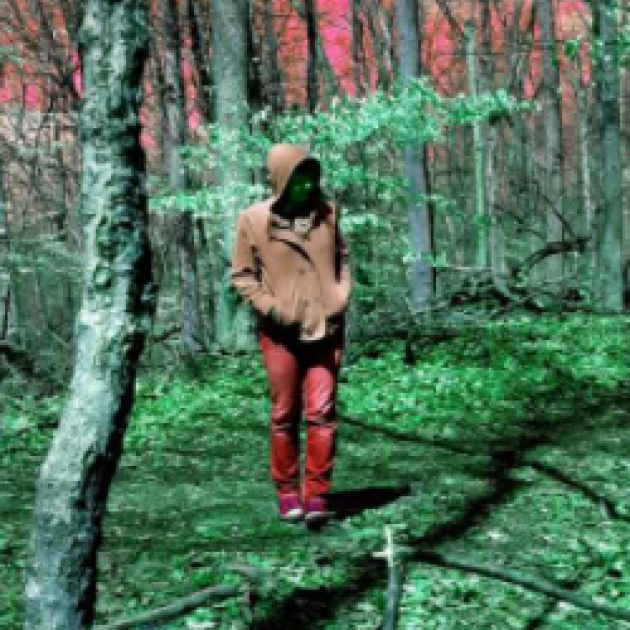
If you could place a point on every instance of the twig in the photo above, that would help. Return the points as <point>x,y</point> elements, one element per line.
<point>390,620</point>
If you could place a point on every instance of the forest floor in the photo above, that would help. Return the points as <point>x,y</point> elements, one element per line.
<point>507,446</point>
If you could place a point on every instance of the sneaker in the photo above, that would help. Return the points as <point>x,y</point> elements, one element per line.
<point>316,510</point>
<point>290,507</point>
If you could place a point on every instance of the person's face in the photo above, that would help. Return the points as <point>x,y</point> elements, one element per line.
<point>301,187</point>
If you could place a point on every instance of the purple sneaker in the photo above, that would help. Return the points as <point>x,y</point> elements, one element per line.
<point>290,507</point>
<point>316,510</point>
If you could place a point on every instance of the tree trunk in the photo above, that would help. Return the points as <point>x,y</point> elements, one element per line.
<point>581,94</point>
<point>8,321</point>
<point>552,124</point>
<point>312,91</point>
<point>482,258</point>
<point>230,66</point>
<point>177,124</point>
<point>490,129</point>
<point>201,54</point>
<point>357,45</point>
<point>381,44</point>
<point>273,81</point>
<point>116,314</point>
<point>609,285</point>
<point>414,162</point>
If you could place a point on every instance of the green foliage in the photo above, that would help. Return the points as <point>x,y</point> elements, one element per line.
<point>347,138</point>
<point>413,112</point>
<point>192,493</point>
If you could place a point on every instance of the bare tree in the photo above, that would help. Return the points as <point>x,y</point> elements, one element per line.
<point>414,162</point>
<point>609,277</point>
<point>116,314</point>
<point>230,67</point>
<point>182,225</point>
<point>552,122</point>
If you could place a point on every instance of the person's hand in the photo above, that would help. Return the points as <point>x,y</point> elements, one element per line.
<point>274,316</point>
<point>277,317</point>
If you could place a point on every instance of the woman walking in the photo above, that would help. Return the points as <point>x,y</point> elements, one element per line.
<point>290,263</point>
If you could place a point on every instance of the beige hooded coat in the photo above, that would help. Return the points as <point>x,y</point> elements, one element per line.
<point>298,266</point>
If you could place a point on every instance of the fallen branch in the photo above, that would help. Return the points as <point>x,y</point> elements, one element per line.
<point>187,604</point>
<point>531,583</point>
<point>578,244</point>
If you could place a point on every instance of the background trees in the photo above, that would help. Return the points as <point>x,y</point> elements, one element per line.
<point>537,201</point>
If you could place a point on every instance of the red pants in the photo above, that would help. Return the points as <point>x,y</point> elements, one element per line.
<point>295,368</point>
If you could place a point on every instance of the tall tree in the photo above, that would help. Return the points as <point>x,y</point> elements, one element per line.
<point>312,87</point>
<point>115,317</point>
<point>552,123</point>
<point>182,224</point>
<point>230,67</point>
<point>487,80</point>
<point>381,42</point>
<point>357,48</point>
<point>8,323</point>
<point>272,73</point>
<point>414,162</point>
<point>482,258</point>
<point>201,55</point>
<point>609,277</point>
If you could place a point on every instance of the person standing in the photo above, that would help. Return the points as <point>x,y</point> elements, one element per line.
<point>290,262</point>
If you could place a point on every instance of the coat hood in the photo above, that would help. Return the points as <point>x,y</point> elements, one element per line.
<point>282,160</point>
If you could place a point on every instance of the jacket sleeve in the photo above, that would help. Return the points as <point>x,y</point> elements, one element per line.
<point>244,273</point>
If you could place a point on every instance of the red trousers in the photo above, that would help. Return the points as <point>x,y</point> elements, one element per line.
<point>299,371</point>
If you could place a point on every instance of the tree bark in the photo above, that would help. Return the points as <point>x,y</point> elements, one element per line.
<point>201,54</point>
<point>116,314</point>
<point>230,67</point>
<point>177,124</point>
<point>381,42</point>
<point>414,162</point>
<point>609,238</point>
<point>273,81</point>
<point>488,81</point>
<point>552,123</point>
<point>8,321</point>
<point>482,258</point>
<point>312,88</point>
<point>357,45</point>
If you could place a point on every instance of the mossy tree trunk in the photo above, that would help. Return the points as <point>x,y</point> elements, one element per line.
<point>117,308</point>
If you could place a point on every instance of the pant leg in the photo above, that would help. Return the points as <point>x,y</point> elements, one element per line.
<point>322,364</point>
<point>283,375</point>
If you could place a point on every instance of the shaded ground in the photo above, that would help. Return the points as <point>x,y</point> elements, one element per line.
<point>507,444</point>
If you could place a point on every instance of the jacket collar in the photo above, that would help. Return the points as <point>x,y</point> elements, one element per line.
<point>288,230</point>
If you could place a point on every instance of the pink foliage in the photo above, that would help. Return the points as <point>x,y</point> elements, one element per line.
<point>440,52</point>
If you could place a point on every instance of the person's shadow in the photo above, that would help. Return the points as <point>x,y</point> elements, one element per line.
<point>346,503</point>
<point>351,502</point>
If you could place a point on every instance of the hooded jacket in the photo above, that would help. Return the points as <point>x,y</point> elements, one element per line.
<point>297,265</point>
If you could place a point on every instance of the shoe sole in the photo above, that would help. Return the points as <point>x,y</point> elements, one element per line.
<point>292,516</point>
<point>317,517</point>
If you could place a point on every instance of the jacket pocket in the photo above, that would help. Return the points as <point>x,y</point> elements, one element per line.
<point>289,305</point>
